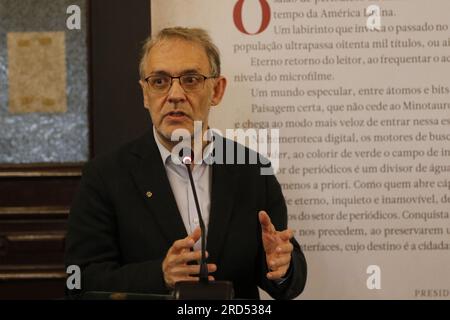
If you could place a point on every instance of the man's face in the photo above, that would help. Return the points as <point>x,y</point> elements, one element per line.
<point>178,109</point>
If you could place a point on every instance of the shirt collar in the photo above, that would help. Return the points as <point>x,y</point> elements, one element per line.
<point>165,153</point>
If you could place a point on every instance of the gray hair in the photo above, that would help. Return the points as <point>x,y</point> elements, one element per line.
<point>196,35</point>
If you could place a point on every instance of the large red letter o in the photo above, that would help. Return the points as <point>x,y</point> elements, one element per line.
<point>237,16</point>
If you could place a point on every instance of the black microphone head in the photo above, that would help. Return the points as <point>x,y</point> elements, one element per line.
<point>186,155</point>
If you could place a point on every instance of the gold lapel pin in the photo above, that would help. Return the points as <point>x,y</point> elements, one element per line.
<point>149,194</point>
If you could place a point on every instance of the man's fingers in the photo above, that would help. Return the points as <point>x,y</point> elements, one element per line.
<point>174,264</point>
<point>185,278</point>
<point>264,218</point>
<point>191,270</point>
<point>189,278</point>
<point>284,248</point>
<point>266,224</point>
<point>276,275</point>
<point>278,262</point>
<point>286,235</point>
<point>188,256</point>
<point>196,234</point>
<point>181,244</point>
<point>212,267</point>
<point>184,271</point>
<point>186,243</point>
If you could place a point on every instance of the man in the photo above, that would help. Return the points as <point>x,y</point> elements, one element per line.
<point>133,226</point>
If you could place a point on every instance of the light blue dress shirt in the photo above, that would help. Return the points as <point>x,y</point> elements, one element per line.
<point>182,191</point>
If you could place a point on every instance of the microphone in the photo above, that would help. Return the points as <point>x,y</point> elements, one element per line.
<point>203,289</point>
<point>188,159</point>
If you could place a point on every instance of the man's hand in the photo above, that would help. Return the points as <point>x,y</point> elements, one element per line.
<point>277,246</point>
<point>175,267</point>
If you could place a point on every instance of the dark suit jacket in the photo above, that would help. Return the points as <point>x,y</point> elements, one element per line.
<point>119,236</point>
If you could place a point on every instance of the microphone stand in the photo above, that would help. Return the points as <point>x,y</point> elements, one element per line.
<point>203,289</point>
<point>203,266</point>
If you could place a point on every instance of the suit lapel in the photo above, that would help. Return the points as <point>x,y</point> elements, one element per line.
<point>224,182</point>
<point>150,175</point>
<point>151,180</point>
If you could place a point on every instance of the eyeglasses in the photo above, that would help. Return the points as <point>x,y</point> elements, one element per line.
<point>189,82</point>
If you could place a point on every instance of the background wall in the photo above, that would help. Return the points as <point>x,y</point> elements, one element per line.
<point>118,31</point>
<point>35,198</point>
<point>43,83</point>
<point>364,120</point>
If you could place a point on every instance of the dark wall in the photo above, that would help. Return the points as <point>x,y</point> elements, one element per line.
<point>118,29</point>
<point>35,199</point>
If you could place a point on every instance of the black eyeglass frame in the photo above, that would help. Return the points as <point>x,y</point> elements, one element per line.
<point>179,79</point>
